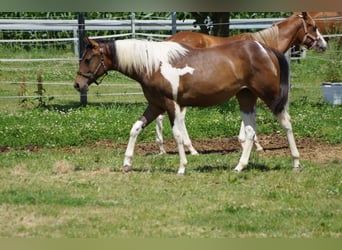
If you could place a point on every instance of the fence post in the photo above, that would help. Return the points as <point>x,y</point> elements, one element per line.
<point>132,15</point>
<point>174,22</point>
<point>81,35</point>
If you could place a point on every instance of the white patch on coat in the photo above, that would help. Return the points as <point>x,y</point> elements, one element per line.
<point>173,74</point>
<point>321,41</point>
<point>272,66</point>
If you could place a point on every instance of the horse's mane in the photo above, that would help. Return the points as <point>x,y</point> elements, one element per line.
<point>267,36</point>
<point>140,55</point>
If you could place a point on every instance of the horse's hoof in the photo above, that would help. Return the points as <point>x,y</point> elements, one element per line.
<point>127,169</point>
<point>181,172</point>
<point>237,170</point>
<point>260,149</point>
<point>298,169</point>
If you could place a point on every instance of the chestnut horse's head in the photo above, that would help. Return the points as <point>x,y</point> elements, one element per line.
<point>310,35</point>
<point>92,65</point>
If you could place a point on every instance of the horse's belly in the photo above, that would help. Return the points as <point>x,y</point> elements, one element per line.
<point>205,97</point>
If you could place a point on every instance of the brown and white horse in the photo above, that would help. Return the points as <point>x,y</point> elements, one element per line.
<point>299,29</point>
<point>174,76</point>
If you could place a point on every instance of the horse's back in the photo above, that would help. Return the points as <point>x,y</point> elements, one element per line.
<point>198,40</point>
<point>328,22</point>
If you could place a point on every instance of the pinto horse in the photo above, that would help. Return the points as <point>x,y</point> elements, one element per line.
<point>299,29</point>
<point>174,76</point>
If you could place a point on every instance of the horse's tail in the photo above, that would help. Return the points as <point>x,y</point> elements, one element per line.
<point>279,104</point>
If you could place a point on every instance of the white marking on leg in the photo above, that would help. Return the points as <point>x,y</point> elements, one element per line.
<point>242,138</point>
<point>177,133</point>
<point>159,134</point>
<point>242,135</point>
<point>135,131</point>
<point>285,122</point>
<point>172,75</point>
<point>257,145</point>
<point>250,127</point>
<point>186,138</point>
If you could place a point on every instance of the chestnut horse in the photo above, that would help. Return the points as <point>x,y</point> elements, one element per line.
<point>174,76</point>
<point>328,22</point>
<point>299,29</point>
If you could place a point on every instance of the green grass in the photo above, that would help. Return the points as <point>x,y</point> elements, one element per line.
<point>75,195</point>
<point>60,126</point>
<point>73,186</point>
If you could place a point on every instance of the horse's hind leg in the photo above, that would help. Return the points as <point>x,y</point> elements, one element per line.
<point>285,121</point>
<point>149,115</point>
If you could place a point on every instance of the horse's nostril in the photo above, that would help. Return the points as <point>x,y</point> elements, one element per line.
<point>76,86</point>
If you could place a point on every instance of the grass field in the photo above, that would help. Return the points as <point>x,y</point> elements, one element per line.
<point>60,169</point>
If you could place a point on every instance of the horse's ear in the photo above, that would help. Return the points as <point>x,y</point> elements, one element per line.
<point>90,42</point>
<point>305,15</point>
<point>93,43</point>
<point>86,40</point>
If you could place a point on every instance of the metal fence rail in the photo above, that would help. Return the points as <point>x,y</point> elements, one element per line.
<point>121,25</point>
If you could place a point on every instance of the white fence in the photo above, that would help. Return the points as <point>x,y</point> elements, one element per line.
<point>188,24</point>
<point>132,28</point>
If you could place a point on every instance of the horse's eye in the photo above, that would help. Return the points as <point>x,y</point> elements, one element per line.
<point>86,61</point>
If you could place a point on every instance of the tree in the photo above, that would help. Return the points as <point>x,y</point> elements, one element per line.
<point>213,23</point>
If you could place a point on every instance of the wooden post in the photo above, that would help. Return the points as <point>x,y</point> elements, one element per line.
<point>81,45</point>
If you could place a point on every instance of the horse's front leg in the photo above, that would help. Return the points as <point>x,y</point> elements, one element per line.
<point>247,101</point>
<point>186,138</point>
<point>242,138</point>
<point>149,115</point>
<point>159,134</point>
<point>177,120</point>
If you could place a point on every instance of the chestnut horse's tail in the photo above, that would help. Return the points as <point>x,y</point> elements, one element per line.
<point>279,104</point>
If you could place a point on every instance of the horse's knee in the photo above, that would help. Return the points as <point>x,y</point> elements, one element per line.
<point>136,128</point>
<point>250,133</point>
<point>177,135</point>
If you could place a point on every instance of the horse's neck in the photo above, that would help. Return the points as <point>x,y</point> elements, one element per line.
<point>288,32</point>
<point>269,36</point>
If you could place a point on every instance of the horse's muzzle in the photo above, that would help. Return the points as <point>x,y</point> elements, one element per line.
<point>81,88</point>
<point>77,86</point>
<point>320,48</point>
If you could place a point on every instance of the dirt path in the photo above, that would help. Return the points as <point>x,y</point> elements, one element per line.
<point>275,144</point>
